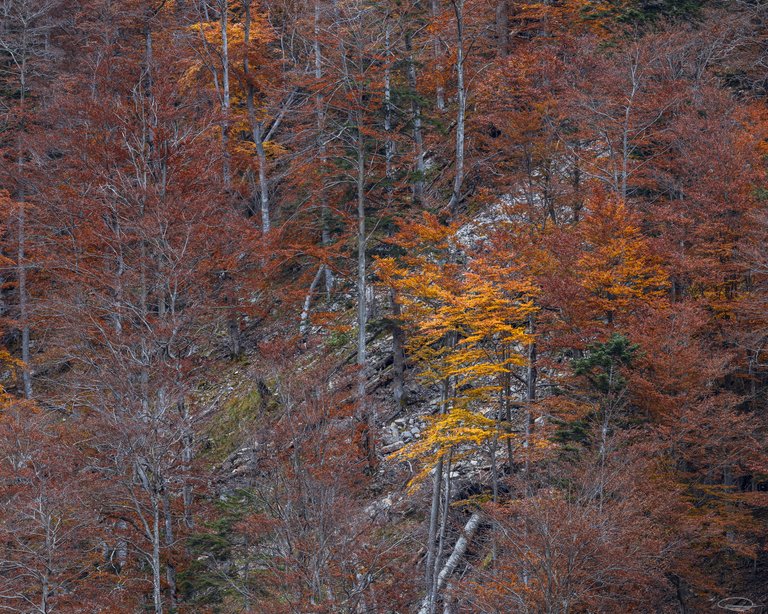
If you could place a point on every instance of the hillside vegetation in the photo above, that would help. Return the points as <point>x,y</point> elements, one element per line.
<point>428,307</point>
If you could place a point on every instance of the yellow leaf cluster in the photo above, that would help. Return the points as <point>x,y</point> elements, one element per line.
<point>466,323</point>
<point>460,430</point>
<point>465,320</point>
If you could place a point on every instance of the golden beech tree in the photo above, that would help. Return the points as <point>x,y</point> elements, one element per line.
<point>466,321</point>
<point>467,328</point>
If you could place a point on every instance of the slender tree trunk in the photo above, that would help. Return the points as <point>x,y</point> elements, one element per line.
<point>122,546</point>
<point>508,418</point>
<point>188,440</point>
<point>434,518</point>
<point>362,288</point>
<point>458,181</point>
<point>389,145</point>
<point>266,223</point>
<point>21,256</point>
<point>625,156</point>
<point>606,410</point>
<point>257,126</point>
<point>157,595</point>
<point>21,269</point>
<point>233,324</point>
<point>495,467</point>
<point>603,455</point>
<point>434,514</point>
<point>365,411</point>
<point>459,549</point>
<point>321,146</point>
<point>418,138</point>
<point>170,570</point>
<point>530,392</point>
<point>398,354</point>
<point>304,322</point>
<point>438,55</point>
<point>433,598</point>
<point>225,100</point>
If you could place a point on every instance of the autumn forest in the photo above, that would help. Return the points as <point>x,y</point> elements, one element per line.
<point>383,306</point>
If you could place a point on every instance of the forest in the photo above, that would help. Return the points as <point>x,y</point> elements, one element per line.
<point>383,306</point>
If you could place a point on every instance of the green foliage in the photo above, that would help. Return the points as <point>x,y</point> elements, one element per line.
<point>602,365</point>
<point>575,434</point>
<point>761,194</point>
<point>644,11</point>
<point>639,12</point>
<point>230,422</point>
<point>339,339</point>
<point>207,579</point>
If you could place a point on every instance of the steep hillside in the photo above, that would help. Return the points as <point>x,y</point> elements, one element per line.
<point>345,307</point>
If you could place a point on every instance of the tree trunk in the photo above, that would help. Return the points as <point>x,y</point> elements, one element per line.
<point>225,100</point>
<point>434,514</point>
<point>459,549</point>
<point>443,526</point>
<point>458,181</point>
<point>398,354</point>
<point>438,53</point>
<point>389,145</point>
<point>21,268</point>
<point>266,222</point>
<point>304,322</point>
<point>186,457</point>
<point>321,146</point>
<point>170,570</point>
<point>257,126</point>
<point>418,138</point>
<point>434,517</point>
<point>530,391</point>
<point>157,595</point>
<point>366,414</point>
